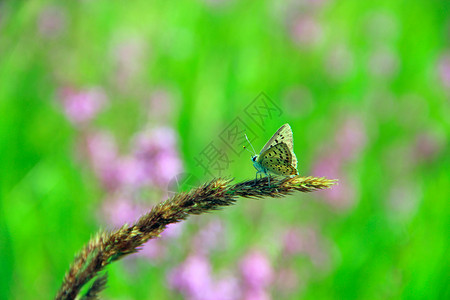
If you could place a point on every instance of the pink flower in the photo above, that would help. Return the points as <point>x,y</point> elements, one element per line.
<point>193,277</point>
<point>309,242</point>
<point>173,231</point>
<point>153,249</point>
<point>292,241</point>
<point>120,210</point>
<point>210,237</point>
<point>444,70</point>
<point>341,196</point>
<point>226,289</point>
<point>351,138</point>
<point>129,55</point>
<point>102,153</point>
<point>156,151</point>
<point>287,280</point>
<point>160,104</point>
<point>305,241</point>
<point>82,106</point>
<point>340,62</point>
<point>256,270</point>
<point>256,294</point>
<point>194,280</point>
<point>306,31</point>
<point>131,172</point>
<point>167,166</point>
<point>403,201</point>
<point>52,21</point>
<point>384,63</point>
<point>328,165</point>
<point>428,145</point>
<point>151,141</point>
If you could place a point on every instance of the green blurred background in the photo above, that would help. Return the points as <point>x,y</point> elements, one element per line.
<point>364,85</point>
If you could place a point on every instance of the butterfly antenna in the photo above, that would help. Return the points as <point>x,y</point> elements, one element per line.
<point>249,143</point>
<point>248,150</point>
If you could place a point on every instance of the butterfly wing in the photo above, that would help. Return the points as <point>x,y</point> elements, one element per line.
<point>278,160</point>
<point>283,134</point>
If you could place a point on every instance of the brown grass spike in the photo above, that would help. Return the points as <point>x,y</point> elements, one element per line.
<point>107,247</point>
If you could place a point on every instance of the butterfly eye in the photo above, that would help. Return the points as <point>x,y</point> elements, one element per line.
<point>254,158</point>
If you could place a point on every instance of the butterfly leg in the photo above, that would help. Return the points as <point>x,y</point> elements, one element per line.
<point>257,176</point>
<point>268,176</point>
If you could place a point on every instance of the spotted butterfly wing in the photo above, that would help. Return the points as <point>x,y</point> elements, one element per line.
<point>278,159</point>
<point>283,134</point>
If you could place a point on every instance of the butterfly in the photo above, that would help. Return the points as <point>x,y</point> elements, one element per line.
<point>277,156</point>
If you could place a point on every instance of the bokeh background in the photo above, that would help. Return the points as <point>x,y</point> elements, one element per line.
<point>108,107</point>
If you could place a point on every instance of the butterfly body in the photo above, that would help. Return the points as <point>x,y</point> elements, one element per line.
<point>277,156</point>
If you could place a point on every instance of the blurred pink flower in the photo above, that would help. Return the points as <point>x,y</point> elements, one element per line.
<point>443,67</point>
<point>129,55</point>
<point>382,27</point>
<point>157,248</point>
<point>256,270</point>
<point>102,153</point>
<point>160,104</point>
<point>131,173</point>
<point>351,138</point>
<point>343,195</point>
<point>82,106</point>
<point>173,230</point>
<point>119,210</point>
<point>153,249</point>
<point>287,280</point>
<point>402,202</point>
<point>328,165</point>
<point>309,242</point>
<point>52,21</point>
<point>167,166</point>
<point>193,278</point>
<point>292,241</point>
<point>339,63</point>
<point>210,237</point>
<point>157,153</point>
<point>306,31</point>
<point>155,159</point>
<point>428,145</point>
<point>227,289</point>
<point>154,140</point>
<point>256,294</point>
<point>384,63</point>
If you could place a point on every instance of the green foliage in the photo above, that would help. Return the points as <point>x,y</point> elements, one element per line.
<point>378,66</point>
